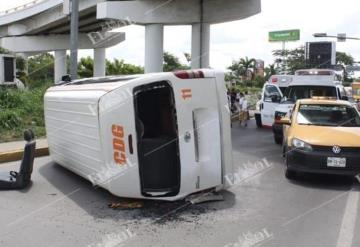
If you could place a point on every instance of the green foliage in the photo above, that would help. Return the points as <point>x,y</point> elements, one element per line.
<point>20,110</point>
<point>116,67</point>
<point>290,60</point>
<point>172,63</point>
<point>86,67</point>
<point>119,67</point>
<point>3,51</point>
<point>241,69</point>
<point>344,59</point>
<point>41,70</point>
<point>269,71</point>
<point>259,81</point>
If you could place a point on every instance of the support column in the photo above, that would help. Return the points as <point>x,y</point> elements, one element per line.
<point>60,65</point>
<point>154,48</point>
<point>99,62</point>
<point>200,46</point>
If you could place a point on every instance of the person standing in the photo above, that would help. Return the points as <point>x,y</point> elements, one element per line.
<point>244,112</point>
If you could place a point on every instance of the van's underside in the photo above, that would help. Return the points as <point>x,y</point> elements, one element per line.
<point>157,140</point>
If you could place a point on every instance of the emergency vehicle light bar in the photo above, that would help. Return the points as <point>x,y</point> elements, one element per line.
<point>190,74</point>
<point>323,98</point>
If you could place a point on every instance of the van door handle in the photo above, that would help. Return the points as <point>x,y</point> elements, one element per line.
<point>130,140</point>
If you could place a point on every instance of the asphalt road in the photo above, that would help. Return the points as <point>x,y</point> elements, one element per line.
<point>262,209</point>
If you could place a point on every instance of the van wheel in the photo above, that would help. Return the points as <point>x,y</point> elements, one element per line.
<point>291,175</point>
<point>278,139</point>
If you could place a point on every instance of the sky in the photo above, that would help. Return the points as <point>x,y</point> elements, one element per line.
<point>248,37</point>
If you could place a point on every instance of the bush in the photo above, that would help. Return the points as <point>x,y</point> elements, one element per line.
<point>9,120</point>
<point>20,110</point>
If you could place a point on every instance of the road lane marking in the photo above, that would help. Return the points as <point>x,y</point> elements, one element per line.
<point>347,229</point>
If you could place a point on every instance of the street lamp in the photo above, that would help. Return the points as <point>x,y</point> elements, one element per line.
<point>341,37</point>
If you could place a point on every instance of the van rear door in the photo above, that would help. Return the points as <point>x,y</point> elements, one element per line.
<point>199,132</point>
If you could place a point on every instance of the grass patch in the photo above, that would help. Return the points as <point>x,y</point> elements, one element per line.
<point>20,110</point>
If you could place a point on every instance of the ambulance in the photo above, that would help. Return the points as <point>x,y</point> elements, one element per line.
<point>271,95</point>
<point>155,136</point>
<point>307,83</point>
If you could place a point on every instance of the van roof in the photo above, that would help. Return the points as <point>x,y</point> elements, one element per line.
<point>106,84</point>
<point>110,83</point>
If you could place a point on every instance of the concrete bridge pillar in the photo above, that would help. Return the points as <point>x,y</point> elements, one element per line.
<point>99,62</point>
<point>200,46</point>
<point>60,65</point>
<point>154,48</point>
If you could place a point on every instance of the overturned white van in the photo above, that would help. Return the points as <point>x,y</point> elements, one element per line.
<point>155,136</point>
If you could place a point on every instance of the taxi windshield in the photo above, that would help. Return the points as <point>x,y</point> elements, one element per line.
<point>328,115</point>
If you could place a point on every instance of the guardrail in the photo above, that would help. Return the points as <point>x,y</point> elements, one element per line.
<point>24,6</point>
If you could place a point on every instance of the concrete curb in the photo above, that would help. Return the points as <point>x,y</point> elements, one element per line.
<point>16,155</point>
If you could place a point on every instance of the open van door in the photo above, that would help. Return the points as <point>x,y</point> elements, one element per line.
<point>271,99</point>
<point>199,131</point>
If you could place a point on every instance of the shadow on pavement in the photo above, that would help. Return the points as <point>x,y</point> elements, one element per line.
<point>324,181</point>
<point>95,201</point>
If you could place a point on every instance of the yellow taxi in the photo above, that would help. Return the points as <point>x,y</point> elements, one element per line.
<point>322,136</point>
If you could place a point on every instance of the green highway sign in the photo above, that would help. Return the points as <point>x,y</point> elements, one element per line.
<point>285,35</point>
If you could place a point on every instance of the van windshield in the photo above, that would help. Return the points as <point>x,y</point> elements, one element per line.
<point>294,93</point>
<point>328,115</point>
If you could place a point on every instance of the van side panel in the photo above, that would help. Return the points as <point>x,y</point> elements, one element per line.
<point>72,127</point>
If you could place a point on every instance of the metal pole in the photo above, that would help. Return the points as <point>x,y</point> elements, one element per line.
<point>74,38</point>
<point>284,58</point>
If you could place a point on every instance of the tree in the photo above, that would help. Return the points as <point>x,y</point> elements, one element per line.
<point>86,67</point>
<point>290,60</point>
<point>172,63</point>
<point>269,71</point>
<point>41,69</point>
<point>248,66</point>
<point>344,59</point>
<point>3,51</point>
<point>119,67</point>
<point>239,70</point>
<point>116,67</point>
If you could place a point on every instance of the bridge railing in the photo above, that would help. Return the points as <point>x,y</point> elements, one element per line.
<point>24,6</point>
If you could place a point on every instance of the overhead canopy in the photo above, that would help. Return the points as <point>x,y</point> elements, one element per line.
<point>178,11</point>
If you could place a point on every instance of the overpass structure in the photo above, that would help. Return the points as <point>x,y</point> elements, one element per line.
<point>44,26</point>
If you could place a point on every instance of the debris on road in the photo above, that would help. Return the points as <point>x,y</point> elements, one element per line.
<point>126,205</point>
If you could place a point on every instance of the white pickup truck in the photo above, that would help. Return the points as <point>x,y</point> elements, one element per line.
<point>271,95</point>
